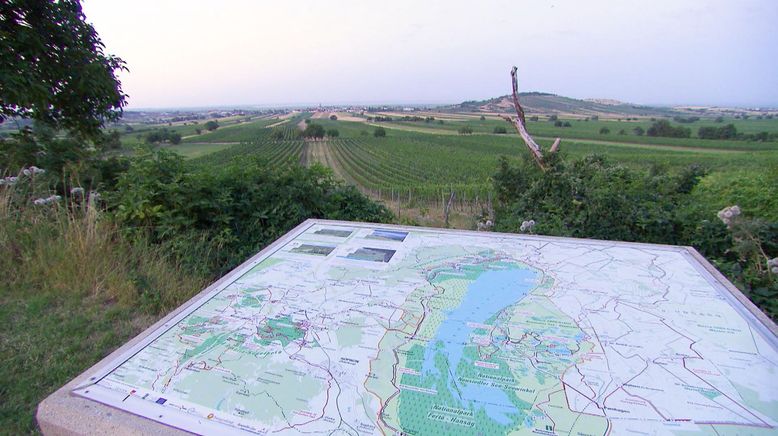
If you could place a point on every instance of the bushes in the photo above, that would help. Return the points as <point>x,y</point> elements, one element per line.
<point>592,198</point>
<point>73,289</point>
<point>725,132</point>
<point>665,129</point>
<point>315,131</point>
<point>215,219</point>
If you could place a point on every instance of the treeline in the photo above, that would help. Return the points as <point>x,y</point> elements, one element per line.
<point>317,131</point>
<point>663,128</point>
<point>414,118</point>
<point>163,135</point>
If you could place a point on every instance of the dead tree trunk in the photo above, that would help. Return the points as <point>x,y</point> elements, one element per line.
<point>521,126</point>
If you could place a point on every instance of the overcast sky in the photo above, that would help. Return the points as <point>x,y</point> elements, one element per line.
<point>248,52</point>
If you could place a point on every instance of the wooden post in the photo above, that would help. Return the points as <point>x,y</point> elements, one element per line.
<point>447,210</point>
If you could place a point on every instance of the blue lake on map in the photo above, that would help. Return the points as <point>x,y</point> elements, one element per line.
<point>491,292</point>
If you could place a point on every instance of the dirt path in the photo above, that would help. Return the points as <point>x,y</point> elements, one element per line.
<point>666,147</point>
<point>321,152</point>
<point>276,124</point>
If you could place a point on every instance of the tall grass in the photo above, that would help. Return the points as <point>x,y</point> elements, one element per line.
<point>72,289</point>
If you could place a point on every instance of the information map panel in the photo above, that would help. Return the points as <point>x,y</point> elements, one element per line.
<point>345,328</point>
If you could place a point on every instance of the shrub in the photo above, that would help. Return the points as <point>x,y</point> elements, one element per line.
<point>665,129</point>
<point>314,130</point>
<point>380,132</point>
<point>215,219</point>
<point>500,130</point>
<point>577,198</point>
<point>724,132</point>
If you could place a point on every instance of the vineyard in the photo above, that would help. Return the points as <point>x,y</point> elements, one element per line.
<point>415,171</point>
<point>274,152</point>
<point>423,169</point>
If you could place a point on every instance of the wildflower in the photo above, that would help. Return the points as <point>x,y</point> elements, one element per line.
<point>33,170</point>
<point>526,226</point>
<point>772,265</point>
<point>9,181</point>
<point>93,196</point>
<point>77,191</point>
<point>47,200</point>
<point>727,214</point>
<point>484,225</point>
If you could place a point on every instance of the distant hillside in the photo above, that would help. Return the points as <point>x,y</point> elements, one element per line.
<point>539,103</point>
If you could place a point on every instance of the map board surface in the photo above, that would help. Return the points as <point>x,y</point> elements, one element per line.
<point>344,328</point>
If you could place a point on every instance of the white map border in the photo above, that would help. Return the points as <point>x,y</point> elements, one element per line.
<point>194,423</point>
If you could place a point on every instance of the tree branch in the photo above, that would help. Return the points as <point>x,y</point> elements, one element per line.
<point>520,124</point>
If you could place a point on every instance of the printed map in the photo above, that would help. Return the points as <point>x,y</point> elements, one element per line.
<point>353,329</point>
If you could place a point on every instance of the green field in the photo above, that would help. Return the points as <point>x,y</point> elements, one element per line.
<point>426,161</point>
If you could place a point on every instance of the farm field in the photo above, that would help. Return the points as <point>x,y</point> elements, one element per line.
<point>420,164</point>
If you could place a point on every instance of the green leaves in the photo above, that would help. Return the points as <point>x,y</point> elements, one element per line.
<point>214,218</point>
<point>592,198</point>
<point>53,68</point>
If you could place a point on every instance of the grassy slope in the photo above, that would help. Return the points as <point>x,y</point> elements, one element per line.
<point>77,292</point>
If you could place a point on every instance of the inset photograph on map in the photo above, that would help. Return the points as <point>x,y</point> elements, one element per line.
<point>388,235</point>
<point>372,254</point>
<point>334,232</point>
<point>316,250</point>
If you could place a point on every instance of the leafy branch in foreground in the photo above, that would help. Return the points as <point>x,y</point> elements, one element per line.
<point>53,68</point>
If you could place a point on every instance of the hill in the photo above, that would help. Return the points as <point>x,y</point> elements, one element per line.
<point>540,103</point>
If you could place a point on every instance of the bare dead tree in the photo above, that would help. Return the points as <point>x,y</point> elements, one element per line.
<point>521,126</point>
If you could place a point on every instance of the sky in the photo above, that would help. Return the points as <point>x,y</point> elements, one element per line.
<point>198,53</point>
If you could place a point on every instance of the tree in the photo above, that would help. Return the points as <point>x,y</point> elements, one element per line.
<point>553,118</point>
<point>198,131</point>
<point>212,125</point>
<point>314,130</point>
<point>500,130</point>
<point>483,118</point>
<point>334,117</point>
<point>465,130</point>
<point>605,131</point>
<point>175,138</point>
<point>638,131</point>
<point>724,132</point>
<point>333,133</point>
<point>110,141</point>
<point>53,68</point>
<point>557,123</point>
<point>665,129</point>
<point>379,132</point>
